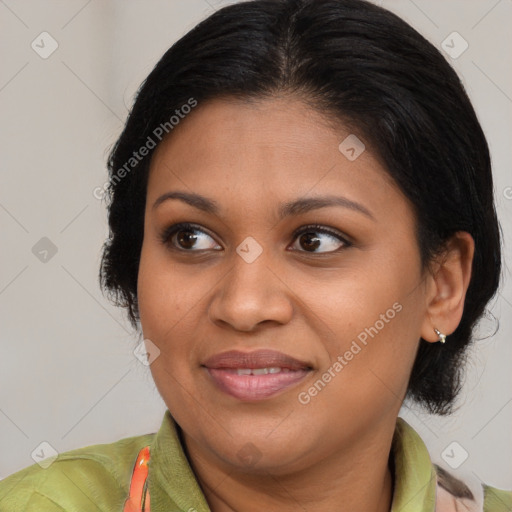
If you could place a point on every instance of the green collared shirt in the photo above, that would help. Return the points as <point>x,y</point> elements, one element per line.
<point>97,478</point>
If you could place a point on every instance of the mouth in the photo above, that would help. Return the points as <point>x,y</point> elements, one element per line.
<point>257,375</point>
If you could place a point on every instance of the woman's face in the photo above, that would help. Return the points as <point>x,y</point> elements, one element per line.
<point>343,302</point>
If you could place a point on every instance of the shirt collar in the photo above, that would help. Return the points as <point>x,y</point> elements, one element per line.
<point>415,476</point>
<point>173,485</point>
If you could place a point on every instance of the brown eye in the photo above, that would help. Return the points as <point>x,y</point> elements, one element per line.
<point>313,237</point>
<point>187,237</point>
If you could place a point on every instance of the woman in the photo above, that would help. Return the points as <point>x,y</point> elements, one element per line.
<point>305,237</point>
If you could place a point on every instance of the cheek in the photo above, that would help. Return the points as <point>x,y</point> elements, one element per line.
<point>165,303</point>
<point>373,313</point>
<point>368,369</point>
<point>166,294</point>
<point>171,306</point>
<point>377,296</point>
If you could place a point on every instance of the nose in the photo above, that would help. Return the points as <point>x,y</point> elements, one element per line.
<point>251,294</point>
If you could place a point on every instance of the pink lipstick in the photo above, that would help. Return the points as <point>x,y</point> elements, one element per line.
<point>256,375</point>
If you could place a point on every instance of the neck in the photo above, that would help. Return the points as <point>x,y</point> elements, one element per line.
<point>356,478</point>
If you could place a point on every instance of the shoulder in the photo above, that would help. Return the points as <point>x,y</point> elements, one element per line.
<point>497,500</point>
<point>466,492</point>
<point>452,491</point>
<point>89,478</point>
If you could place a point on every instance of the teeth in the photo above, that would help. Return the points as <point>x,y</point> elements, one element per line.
<point>260,371</point>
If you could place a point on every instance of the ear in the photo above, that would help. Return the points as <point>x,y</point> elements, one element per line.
<point>447,286</point>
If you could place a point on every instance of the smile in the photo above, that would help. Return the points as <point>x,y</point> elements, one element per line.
<point>257,383</point>
<point>255,375</point>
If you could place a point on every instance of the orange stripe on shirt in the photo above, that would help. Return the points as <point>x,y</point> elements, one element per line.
<point>140,473</point>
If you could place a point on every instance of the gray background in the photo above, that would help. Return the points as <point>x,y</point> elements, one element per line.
<point>68,375</point>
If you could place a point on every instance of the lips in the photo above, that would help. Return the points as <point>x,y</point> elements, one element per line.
<point>256,375</point>
<point>235,359</point>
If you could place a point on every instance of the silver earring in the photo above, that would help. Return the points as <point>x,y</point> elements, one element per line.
<point>442,337</point>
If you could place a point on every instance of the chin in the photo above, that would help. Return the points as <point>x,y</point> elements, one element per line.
<point>255,451</point>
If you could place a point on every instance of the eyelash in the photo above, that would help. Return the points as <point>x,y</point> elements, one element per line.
<point>167,234</point>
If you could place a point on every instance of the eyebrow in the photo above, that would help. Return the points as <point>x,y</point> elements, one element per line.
<point>296,207</point>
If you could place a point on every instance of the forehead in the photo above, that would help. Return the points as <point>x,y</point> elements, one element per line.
<point>232,130</point>
<point>262,149</point>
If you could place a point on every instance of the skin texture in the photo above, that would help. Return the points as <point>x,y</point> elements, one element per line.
<point>308,301</point>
